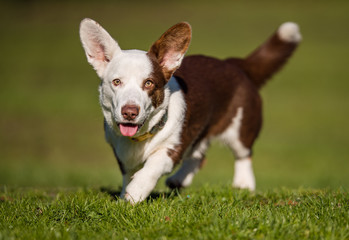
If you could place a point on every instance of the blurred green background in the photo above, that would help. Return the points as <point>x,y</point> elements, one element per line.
<point>51,132</point>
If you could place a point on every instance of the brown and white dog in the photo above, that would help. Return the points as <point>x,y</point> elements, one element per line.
<point>161,109</point>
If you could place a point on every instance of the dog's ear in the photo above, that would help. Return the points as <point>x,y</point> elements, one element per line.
<point>170,48</point>
<point>99,46</point>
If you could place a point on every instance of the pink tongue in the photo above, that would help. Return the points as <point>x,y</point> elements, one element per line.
<point>128,129</point>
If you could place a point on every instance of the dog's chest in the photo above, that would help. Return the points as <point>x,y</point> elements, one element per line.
<point>130,154</point>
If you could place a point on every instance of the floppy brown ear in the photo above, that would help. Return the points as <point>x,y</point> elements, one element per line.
<point>170,48</point>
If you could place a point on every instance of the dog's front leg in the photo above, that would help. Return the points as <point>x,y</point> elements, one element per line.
<point>144,180</point>
<point>126,179</point>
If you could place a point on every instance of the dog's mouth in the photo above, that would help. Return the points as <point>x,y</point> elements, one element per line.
<point>129,129</point>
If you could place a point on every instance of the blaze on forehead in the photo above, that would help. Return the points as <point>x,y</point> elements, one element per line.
<point>156,93</point>
<point>131,64</point>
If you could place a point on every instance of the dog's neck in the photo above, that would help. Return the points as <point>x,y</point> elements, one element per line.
<point>157,127</point>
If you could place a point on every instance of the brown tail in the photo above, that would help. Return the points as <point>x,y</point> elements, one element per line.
<point>267,59</point>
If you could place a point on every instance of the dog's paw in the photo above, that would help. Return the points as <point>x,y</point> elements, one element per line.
<point>180,180</point>
<point>173,183</point>
<point>244,177</point>
<point>247,183</point>
<point>133,199</point>
<point>134,194</point>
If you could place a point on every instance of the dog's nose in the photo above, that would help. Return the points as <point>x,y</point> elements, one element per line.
<point>130,112</point>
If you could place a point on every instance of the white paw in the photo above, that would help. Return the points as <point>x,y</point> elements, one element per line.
<point>244,177</point>
<point>289,32</point>
<point>247,183</point>
<point>137,191</point>
<point>133,199</point>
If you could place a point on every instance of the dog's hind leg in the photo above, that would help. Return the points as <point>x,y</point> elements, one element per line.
<point>190,166</point>
<point>243,171</point>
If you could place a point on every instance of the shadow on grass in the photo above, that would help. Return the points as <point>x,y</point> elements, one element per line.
<point>115,194</point>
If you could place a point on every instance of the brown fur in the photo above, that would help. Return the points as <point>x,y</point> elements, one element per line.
<point>214,90</point>
<point>266,60</point>
<point>175,39</point>
<point>156,93</point>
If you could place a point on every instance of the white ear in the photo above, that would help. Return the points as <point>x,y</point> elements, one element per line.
<point>99,46</point>
<point>170,48</point>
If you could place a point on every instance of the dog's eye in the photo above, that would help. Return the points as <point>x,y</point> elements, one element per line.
<point>148,84</point>
<point>116,82</point>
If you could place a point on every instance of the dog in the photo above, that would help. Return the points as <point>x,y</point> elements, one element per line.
<point>161,109</point>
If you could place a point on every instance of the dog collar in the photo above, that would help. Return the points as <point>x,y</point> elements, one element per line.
<point>160,125</point>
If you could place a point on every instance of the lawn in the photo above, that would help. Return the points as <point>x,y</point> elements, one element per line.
<point>53,155</point>
<point>208,213</point>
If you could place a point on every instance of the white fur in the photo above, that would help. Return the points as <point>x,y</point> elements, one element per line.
<point>99,46</point>
<point>143,162</point>
<point>144,180</point>
<point>231,136</point>
<point>289,32</point>
<point>131,67</point>
<point>243,174</point>
<point>154,148</point>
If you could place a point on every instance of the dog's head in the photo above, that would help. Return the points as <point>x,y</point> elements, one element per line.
<point>133,81</point>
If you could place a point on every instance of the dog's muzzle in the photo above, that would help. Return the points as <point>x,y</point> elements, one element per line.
<point>129,112</point>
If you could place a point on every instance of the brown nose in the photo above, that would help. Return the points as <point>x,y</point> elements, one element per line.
<point>130,112</point>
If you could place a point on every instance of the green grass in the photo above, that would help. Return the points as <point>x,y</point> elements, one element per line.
<point>208,213</point>
<point>51,134</point>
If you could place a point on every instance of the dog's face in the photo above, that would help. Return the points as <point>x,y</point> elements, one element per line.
<point>131,90</point>
<point>133,81</point>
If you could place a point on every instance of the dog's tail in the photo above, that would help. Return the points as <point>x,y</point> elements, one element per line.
<point>267,59</point>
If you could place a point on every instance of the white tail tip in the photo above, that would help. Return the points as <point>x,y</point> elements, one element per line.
<point>289,32</point>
